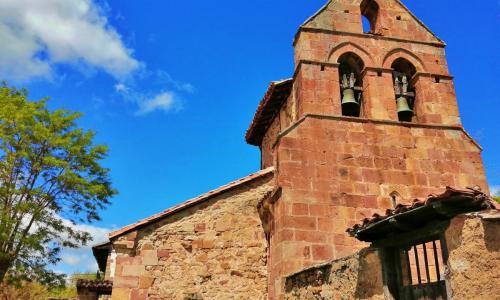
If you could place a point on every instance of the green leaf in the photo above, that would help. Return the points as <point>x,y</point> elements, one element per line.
<point>49,167</point>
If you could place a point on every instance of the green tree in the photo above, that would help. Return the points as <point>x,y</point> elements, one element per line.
<point>50,178</point>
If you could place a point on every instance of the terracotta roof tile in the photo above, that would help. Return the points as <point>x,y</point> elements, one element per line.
<point>473,197</point>
<point>192,202</point>
<point>276,95</point>
<point>102,286</point>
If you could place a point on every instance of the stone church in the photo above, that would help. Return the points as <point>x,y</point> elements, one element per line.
<point>369,187</point>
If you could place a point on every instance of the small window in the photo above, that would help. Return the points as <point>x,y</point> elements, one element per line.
<point>426,263</point>
<point>395,199</point>
<point>367,27</point>
<point>422,271</point>
<point>414,263</point>
<point>370,11</point>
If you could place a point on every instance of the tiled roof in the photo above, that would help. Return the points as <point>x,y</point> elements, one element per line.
<point>100,286</point>
<point>276,95</point>
<point>192,202</point>
<point>421,211</point>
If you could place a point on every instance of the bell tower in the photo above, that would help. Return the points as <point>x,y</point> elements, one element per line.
<point>368,120</point>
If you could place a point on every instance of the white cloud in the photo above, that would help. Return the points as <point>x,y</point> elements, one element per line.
<point>82,259</point>
<point>164,78</point>
<point>37,35</point>
<point>165,102</point>
<point>121,88</point>
<point>495,190</point>
<point>147,102</point>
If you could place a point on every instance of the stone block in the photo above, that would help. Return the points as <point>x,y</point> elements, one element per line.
<point>163,254</point>
<point>120,293</point>
<point>149,257</point>
<point>125,282</point>
<point>305,223</point>
<point>300,209</point>
<point>145,282</point>
<point>139,294</point>
<point>322,252</point>
<point>133,270</point>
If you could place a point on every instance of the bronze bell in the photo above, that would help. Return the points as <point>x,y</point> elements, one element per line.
<point>405,113</point>
<point>350,107</point>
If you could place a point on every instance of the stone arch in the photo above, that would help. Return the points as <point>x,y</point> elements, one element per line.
<point>394,54</point>
<point>370,10</point>
<point>342,48</point>
<point>395,198</point>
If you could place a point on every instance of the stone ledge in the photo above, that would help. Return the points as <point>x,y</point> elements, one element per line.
<point>364,35</point>
<point>372,121</point>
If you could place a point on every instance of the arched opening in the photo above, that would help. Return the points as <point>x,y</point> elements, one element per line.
<point>395,198</point>
<point>367,27</point>
<point>350,68</point>
<point>403,72</point>
<point>369,11</point>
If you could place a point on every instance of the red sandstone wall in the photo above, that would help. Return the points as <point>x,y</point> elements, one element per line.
<point>335,172</point>
<point>317,85</point>
<point>394,20</point>
<point>266,149</point>
<point>284,118</point>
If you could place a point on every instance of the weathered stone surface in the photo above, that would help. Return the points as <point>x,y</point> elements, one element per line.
<point>335,171</point>
<point>474,256</point>
<point>332,171</point>
<point>177,258</point>
<point>358,276</point>
<point>120,293</point>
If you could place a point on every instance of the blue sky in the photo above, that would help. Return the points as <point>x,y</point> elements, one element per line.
<point>171,86</point>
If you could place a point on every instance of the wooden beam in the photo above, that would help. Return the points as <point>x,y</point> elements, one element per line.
<point>420,235</point>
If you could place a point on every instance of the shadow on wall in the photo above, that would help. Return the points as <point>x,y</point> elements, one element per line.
<point>491,235</point>
<point>369,284</point>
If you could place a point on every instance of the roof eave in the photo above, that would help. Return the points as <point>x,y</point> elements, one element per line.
<point>190,203</point>
<point>451,203</point>
<point>251,136</point>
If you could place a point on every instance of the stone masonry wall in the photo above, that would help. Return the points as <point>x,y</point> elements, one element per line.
<point>215,250</point>
<point>317,84</point>
<point>358,276</point>
<point>393,20</point>
<point>335,172</point>
<point>474,256</point>
<point>337,30</point>
<point>283,119</point>
<point>266,150</point>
